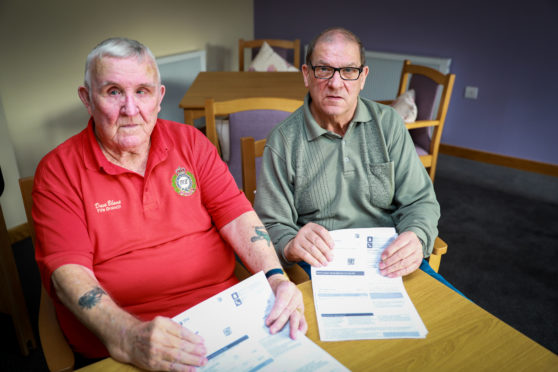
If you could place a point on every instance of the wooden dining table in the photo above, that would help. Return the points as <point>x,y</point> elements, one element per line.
<point>226,85</point>
<point>461,337</point>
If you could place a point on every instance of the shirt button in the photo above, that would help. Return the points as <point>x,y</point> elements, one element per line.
<point>346,160</point>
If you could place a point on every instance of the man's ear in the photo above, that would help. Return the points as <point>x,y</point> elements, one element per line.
<point>305,71</point>
<point>363,76</point>
<point>162,94</point>
<point>83,94</point>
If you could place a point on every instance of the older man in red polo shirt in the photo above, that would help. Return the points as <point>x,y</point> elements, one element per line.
<point>135,219</point>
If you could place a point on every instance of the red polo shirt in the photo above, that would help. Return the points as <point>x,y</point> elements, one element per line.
<point>152,241</point>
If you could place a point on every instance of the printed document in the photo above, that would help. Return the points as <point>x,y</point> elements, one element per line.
<point>353,300</point>
<point>232,324</point>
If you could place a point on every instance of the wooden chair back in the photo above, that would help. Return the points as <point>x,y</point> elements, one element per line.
<point>426,81</point>
<point>58,354</point>
<point>293,45</point>
<point>247,117</point>
<point>250,150</point>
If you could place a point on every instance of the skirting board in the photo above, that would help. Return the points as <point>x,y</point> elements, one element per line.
<point>497,159</point>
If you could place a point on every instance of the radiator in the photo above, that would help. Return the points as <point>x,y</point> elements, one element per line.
<point>178,72</point>
<point>385,72</point>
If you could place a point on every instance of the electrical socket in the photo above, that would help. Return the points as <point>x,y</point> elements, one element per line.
<point>471,92</point>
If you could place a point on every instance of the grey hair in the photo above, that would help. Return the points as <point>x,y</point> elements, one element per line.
<point>118,47</point>
<point>326,36</point>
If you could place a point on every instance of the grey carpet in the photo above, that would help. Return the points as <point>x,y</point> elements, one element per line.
<point>501,226</point>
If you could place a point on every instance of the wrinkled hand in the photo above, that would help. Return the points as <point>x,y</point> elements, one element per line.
<point>288,306</point>
<point>163,345</point>
<point>402,256</point>
<point>312,244</point>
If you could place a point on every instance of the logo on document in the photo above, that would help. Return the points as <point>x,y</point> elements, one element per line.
<point>183,182</point>
<point>227,331</point>
<point>236,299</point>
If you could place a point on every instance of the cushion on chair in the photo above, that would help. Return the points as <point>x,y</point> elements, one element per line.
<point>268,60</point>
<point>406,107</point>
<point>222,127</point>
<point>425,97</point>
<point>257,124</point>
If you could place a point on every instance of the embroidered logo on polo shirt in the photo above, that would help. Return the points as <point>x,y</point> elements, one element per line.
<point>183,182</point>
<point>109,205</point>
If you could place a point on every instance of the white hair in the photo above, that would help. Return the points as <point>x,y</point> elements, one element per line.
<point>118,47</point>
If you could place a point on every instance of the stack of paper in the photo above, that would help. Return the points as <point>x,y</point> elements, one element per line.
<point>232,325</point>
<point>353,300</point>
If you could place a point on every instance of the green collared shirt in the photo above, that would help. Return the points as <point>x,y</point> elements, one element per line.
<point>370,177</point>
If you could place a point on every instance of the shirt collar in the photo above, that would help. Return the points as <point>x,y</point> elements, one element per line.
<point>314,130</point>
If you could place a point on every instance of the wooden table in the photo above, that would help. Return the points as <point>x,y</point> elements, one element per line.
<point>461,336</point>
<point>235,84</point>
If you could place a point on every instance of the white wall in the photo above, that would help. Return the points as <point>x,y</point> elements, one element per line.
<point>44,45</point>
<point>11,203</point>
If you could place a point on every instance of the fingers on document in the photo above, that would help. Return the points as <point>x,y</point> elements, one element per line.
<point>399,260</point>
<point>288,306</point>
<point>319,244</point>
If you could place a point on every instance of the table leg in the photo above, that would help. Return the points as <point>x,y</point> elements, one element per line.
<point>188,117</point>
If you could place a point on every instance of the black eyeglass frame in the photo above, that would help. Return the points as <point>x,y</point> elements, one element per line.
<point>337,69</point>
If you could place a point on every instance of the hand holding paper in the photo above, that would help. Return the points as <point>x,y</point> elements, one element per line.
<point>232,324</point>
<point>288,307</point>
<point>353,300</point>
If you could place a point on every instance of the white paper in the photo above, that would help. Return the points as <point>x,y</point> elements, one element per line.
<point>232,325</point>
<point>353,300</point>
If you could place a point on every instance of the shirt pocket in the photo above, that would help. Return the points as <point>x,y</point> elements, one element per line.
<point>381,184</point>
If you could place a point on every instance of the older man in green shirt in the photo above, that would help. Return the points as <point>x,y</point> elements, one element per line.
<point>342,161</point>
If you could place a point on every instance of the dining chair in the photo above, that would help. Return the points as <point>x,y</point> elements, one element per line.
<point>254,117</point>
<point>426,130</point>
<point>281,47</point>
<point>252,151</point>
<point>12,299</point>
<point>58,354</point>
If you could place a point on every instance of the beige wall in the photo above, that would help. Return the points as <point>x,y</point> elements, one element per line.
<point>43,50</point>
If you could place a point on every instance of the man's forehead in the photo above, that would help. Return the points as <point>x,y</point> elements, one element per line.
<point>342,48</point>
<point>122,67</point>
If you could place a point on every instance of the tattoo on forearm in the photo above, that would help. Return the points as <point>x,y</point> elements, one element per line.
<point>261,233</point>
<point>91,298</point>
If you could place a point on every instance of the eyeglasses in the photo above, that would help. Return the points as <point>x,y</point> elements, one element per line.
<point>327,72</point>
